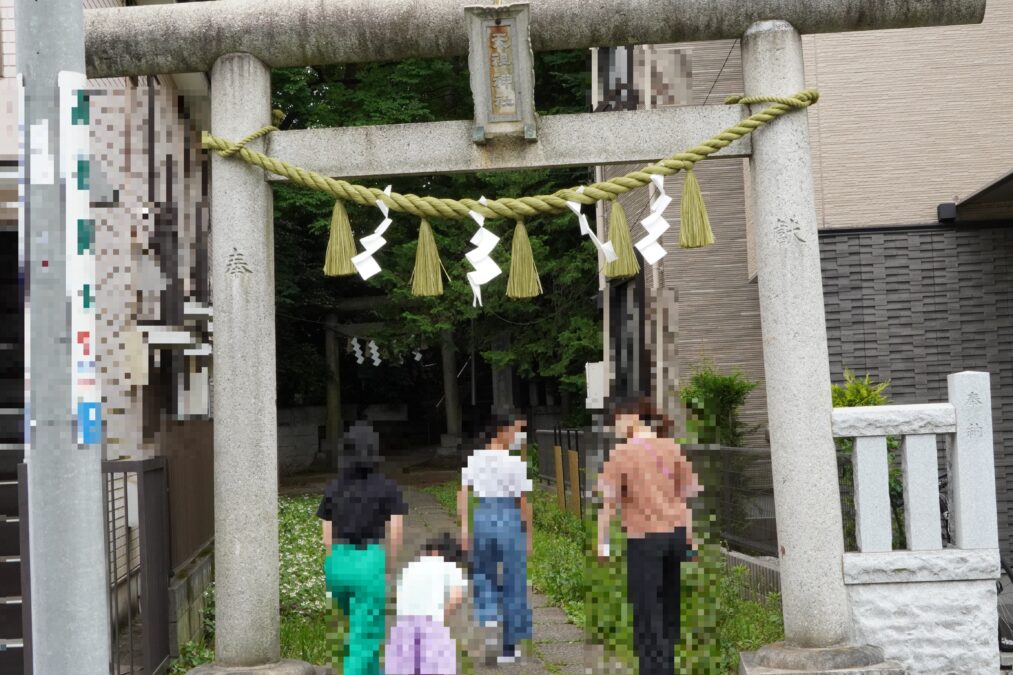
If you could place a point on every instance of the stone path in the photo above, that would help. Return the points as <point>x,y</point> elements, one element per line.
<point>559,646</point>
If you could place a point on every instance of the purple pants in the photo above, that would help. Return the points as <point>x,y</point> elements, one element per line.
<point>420,645</point>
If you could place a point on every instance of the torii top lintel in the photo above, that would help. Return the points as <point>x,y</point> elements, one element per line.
<point>189,37</point>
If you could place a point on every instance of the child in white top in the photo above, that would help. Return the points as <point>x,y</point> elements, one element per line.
<point>429,589</point>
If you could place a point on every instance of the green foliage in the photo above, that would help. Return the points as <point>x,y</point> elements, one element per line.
<point>192,654</point>
<point>308,619</point>
<point>534,458</point>
<point>744,624</point>
<point>422,91</point>
<point>855,392</point>
<point>301,557</point>
<point>858,392</point>
<point>717,620</point>
<point>207,615</point>
<point>714,400</point>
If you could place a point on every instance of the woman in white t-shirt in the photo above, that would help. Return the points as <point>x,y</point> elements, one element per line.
<point>429,589</point>
<point>502,518</point>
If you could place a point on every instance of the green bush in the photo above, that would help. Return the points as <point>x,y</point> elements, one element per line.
<point>713,401</point>
<point>533,461</point>
<point>192,654</point>
<point>308,619</point>
<point>743,624</point>
<point>854,392</point>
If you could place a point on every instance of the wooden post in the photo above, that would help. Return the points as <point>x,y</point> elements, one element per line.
<point>557,452</point>
<point>574,455</point>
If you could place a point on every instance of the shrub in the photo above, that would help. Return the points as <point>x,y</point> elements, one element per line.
<point>743,624</point>
<point>192,654</point>
<point>713,401</point>
<point>864,391</point>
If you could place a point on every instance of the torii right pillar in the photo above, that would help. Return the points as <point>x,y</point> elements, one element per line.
<point>817,617</point>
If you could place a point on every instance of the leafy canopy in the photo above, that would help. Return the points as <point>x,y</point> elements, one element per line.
<point>550,336</point>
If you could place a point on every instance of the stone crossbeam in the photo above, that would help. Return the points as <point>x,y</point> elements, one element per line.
<point>563,140</point>
<point>189,37</point>
<point>894,420</point>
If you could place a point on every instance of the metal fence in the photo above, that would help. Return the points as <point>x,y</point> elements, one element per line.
<point>738,486</point>
<point>137,548</point>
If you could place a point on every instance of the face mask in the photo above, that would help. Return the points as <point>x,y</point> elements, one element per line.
<point>519,439</point>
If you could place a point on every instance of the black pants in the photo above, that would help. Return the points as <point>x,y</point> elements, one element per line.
<point>652,578</point>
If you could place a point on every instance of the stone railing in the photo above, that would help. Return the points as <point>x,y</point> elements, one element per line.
<point>929,607</point>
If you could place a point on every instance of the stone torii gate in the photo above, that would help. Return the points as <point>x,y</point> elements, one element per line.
<point>239,41</point>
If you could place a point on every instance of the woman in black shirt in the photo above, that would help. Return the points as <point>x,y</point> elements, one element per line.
<point>360,509</point>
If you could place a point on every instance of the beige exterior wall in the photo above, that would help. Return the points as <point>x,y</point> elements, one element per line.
<point>701,307</point>
<point>909,118</point>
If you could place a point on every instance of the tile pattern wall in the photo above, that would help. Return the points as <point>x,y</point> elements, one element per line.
<point>913,305</point>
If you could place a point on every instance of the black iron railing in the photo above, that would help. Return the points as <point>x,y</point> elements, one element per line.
<point>137,547</point>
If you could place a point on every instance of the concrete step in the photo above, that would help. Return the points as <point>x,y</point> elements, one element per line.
<point>748,667</point>
<point>10,578</point>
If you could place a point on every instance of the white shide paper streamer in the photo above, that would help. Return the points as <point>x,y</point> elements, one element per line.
<point>655,224</point>
<point>365,263</point>
<point>486,268</point>
<point>374,352</point>
<point>606,248</point>
<point>359,358</point>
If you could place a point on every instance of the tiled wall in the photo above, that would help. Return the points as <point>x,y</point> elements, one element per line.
<point>913,305</point>
<point>7,43</point>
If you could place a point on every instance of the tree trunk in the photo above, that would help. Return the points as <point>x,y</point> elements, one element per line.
<point>451,395</point>
<point>334,425</point>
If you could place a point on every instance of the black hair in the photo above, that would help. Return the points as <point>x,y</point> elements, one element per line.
<point>498,423</point>
<point>360,456</point>
<point>644,408</point>
<point>447,546</point>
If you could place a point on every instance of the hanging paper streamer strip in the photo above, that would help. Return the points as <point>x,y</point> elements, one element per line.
<point>374,352</point>
<point>359,358</point>
<point>486,268</point>
<point>605,249</point>
<point>655,224</point>
<point>364,262</point>
<point>418,355</point>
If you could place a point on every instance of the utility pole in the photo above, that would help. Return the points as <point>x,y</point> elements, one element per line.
<point>63,444</point>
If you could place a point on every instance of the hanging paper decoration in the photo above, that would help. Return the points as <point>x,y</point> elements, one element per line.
<point>486,268</point>
<point>694,226</point>
<point>426,279</point>
<point>605,249</point>
<point>626,264</point>
<point>418,355</point>
<point>655,224</point>
<point>374,352</point>
<point>359,358</point>
<point>364,262</point>
<point>523,281</point>
<point>340,245</point>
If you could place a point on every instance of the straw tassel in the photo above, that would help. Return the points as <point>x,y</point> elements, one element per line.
<point>340,245</point>
<point>426,279</point>
<point>694,226</point>
<point>619,234</point>
<point>523,281</point>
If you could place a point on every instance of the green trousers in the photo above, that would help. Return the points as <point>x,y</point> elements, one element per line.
<point>355,578</point>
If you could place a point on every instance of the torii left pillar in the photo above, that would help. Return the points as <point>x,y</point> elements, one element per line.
<point>246,429</point>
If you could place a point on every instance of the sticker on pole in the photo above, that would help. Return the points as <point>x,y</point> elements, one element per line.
<point>80,248</point>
